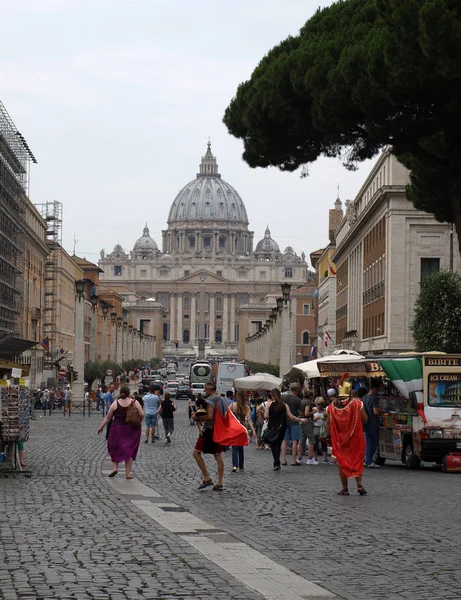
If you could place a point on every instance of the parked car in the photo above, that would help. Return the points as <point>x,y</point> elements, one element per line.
<point>184,392</point>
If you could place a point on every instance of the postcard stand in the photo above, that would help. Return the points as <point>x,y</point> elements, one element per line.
<point>15,419</point>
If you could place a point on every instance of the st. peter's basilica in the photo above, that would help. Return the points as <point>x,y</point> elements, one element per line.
<point>208,257</point>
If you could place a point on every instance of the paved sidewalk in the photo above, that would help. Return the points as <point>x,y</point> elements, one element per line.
<point>71,533</point>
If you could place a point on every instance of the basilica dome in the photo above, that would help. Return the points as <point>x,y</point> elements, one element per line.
<point>145,242</point>
<point>208,198</point>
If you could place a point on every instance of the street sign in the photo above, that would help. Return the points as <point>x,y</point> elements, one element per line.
<point>109,372</point>
<point>16,373</point>
<point>62,373</point>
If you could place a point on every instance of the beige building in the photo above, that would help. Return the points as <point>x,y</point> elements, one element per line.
<point>36,253</point>
<point>68,272</point>
<point>384,248</point>
<point>207,270</point>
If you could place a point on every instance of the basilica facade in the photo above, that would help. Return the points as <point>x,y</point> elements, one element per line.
<point>208,274</point>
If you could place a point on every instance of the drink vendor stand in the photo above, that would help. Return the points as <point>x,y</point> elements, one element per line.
<point>420,408</point>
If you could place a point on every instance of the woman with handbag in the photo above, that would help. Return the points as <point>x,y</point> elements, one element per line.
<point>277,412</point>
<point>126,416</point>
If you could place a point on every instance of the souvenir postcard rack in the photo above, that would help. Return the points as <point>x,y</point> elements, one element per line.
<point>15,420</point>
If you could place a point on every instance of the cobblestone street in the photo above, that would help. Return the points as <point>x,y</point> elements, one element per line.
<point>69,532</point>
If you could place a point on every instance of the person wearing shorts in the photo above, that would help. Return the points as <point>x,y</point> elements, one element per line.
<point>205,443</point>
<point>151,404</point>
<point>67,398</point>
<point>292,433</point>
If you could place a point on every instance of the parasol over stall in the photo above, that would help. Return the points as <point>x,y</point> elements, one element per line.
<point>259,381</point>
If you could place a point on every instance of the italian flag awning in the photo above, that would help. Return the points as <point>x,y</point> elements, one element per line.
<point>406,374</point>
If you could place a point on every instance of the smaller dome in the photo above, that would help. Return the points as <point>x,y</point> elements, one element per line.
<point>145,242</point>
<point>243,257</point>
<point>166,257</point>
<point>267,244</point>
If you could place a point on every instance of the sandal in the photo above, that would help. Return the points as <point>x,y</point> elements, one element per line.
<point>284,464</point>
<point>361,490</point>
<point>217,488</point>
<point>205,484</point>
<point>113,474</point>
<point>344,493</point>
<point>129,477</point>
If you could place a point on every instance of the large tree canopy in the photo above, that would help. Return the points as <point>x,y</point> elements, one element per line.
<point>437,319</point>
<point>361,75</point>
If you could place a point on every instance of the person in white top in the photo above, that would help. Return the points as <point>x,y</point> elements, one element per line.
<point>319,418</point>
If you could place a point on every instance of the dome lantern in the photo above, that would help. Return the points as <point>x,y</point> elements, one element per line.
<point>208,165</point>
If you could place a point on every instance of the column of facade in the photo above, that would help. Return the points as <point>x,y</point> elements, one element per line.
<point>179,318</point>
<point>172,317</point>
<point>225,319</point>
<point>232,318</point>
<point>211,314</point>
<point>193,317</point>
<point>119,350</point>
<point>105,341</point>
<point>197,241</point>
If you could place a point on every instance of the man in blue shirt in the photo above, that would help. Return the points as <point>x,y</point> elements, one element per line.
<point>109,398</point>
<point>151,404</point>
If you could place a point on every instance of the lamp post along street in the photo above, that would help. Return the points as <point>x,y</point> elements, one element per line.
<point>79,345</point>
<point>285,336</point>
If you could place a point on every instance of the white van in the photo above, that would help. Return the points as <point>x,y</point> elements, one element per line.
<point>227,372</point>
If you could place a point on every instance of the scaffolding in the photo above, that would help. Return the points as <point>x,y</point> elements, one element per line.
<point>52,214</point>
<point>15,158</point>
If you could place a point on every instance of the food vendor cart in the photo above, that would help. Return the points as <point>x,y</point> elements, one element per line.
<point>426,423</point>
<point>423,421</point>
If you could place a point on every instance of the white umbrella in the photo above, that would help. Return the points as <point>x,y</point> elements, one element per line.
<point>310,370</point>
<point>259,381</point>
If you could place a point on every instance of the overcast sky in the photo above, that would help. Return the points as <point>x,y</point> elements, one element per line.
<point>117,98</point>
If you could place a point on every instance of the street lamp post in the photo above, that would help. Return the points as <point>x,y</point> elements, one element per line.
<point>93,355</point>
<point>79,345</point>
<point>113,336</point>
<point>104,347</point>
<point>285,336</point>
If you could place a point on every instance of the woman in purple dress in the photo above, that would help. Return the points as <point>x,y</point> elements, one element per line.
<point>124,438</point>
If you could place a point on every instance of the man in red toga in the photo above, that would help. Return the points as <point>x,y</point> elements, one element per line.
<point>345,420</point>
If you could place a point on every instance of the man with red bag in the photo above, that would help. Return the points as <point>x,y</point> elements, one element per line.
<point>205,443</point>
